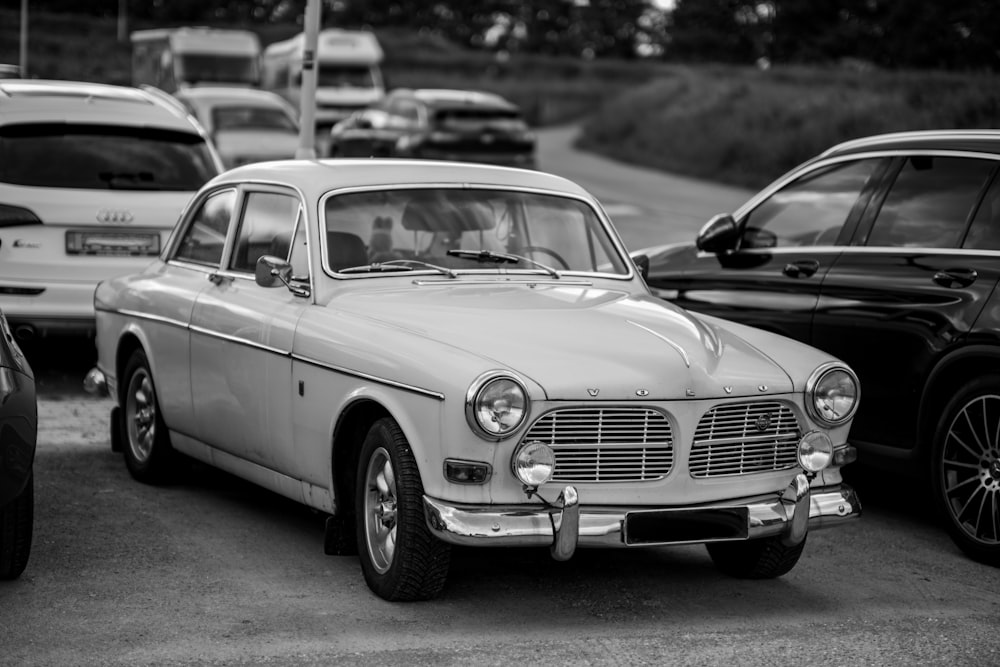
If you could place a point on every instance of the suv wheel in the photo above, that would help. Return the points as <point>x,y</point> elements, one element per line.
<point>965,469</point>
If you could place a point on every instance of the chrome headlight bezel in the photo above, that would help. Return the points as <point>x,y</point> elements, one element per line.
<point>475,396</point>
<point>816,384</point>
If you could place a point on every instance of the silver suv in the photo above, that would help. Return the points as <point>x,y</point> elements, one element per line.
<point>92,179</point>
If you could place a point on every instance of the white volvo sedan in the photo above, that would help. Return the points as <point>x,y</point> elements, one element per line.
<point>443,354</point>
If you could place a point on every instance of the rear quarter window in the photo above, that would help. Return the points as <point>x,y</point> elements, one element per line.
<point>103,157</point>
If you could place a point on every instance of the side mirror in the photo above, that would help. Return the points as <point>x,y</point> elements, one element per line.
<point>271,271</point>
<point>642,264</point>
<point>719,235</point>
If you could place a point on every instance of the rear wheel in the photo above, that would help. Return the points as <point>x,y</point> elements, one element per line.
<point>965,468</point>
<point>764,558</point>
<point>400,558</point>
<point>145,443</point>
<point>16,523</point>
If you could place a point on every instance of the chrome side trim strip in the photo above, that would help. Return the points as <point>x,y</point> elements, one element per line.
<point>365,376</point>
<point>240,341</point>
<point>505,281</point>
<point>283,353</point>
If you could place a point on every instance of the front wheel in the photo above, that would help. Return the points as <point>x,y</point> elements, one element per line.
<point>144,440</point>
<point>965,469</point>
<point>16,523</point>
<point>400,558</point>
<point>764,558</point>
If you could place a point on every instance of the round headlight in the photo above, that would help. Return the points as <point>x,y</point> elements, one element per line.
<point>832,394</point>
<point>534,463</point>
<point>815,451</point>
<point>496,406</point>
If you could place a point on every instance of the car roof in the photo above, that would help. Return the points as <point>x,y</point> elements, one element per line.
<point>977,141</point>
<point>44,101</point>
<point>315,177</point>
<point>230,94</point>
<point>450,98</point>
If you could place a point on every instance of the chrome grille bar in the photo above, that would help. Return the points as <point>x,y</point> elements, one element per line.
<point>742,438</point>
<point>606,444</point>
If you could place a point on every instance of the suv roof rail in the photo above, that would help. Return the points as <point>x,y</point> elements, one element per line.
<point>164,97</point>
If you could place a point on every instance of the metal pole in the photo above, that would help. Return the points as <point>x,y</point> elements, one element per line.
<point>24,39</point>
<point>122,20</point>
<point>307,105</point>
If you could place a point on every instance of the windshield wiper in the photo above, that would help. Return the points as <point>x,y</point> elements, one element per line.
<point>398,265</point>
<point>373,268</point>
<point>488,256</point>
<point>138,180</point>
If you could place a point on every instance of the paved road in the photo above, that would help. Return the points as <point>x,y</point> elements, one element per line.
<point>211,570</point>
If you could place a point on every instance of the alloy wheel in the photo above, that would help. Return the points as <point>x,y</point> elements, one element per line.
<point>140,415</point>
<point>380,510</point>
<point>970,469</point>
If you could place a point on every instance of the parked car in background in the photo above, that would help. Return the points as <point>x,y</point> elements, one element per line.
<point>885,252</point>
<point>438,124</point>
<point>18,435</point>
<point>92,179</point>
<point>245,124</point>
<point>440,353</point>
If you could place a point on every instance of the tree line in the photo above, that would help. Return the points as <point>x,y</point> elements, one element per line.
<point>956,35</point>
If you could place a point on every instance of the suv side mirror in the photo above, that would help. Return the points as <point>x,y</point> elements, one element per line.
<point>719,235</point>
<point>642,264</point>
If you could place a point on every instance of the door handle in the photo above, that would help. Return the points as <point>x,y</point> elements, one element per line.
<point>803,268</point>
<point>955,277</point>
<point>218,278</point>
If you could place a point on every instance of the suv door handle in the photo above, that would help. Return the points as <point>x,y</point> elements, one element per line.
<point>956,277</point>
<point>803,268</point>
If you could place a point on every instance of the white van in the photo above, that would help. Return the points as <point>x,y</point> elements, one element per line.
<point>349,76</point>
<point>175,58</point>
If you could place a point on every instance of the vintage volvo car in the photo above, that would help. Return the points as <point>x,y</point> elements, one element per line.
<point>441,354</point>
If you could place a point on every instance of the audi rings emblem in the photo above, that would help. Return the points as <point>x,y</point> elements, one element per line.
<point>108,215</point>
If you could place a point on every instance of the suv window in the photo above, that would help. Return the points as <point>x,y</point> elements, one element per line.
<point>205,236</point>
<point>930,202</point>
<point>266,228</point>
<point>811,210</point>
<point>984,234</point>
<point>103,157</point>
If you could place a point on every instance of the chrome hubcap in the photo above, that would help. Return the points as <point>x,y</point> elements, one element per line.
<point>140,415</point>
<point>970,469</point>
<point>380,510</point>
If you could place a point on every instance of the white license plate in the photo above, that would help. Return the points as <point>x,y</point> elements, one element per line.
<point>113,243</point>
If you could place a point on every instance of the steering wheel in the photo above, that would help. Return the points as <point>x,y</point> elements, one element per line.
<point>563,264</point>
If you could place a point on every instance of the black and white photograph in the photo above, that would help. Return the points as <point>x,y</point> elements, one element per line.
<point>494,332</point>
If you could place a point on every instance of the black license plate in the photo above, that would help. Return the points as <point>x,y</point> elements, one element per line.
<point>677,526</point>
<point>113,243</point>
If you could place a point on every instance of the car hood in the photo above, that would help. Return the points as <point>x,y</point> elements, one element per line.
<point>580,342</point>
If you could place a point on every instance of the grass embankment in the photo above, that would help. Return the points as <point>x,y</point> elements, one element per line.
<point>747,127</point>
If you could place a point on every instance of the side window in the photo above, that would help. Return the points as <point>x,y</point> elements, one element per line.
<point>205,236</point>
<point>984,234</point>
<point>299,253</point>
<point>266,228</point>
<point>930,202</point>
<point>809,211</point>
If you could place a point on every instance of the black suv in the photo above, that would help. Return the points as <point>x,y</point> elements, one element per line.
<point>438,124</point>
<point>885,252</point>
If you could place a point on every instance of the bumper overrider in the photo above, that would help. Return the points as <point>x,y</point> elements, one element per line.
<point>564,525</point>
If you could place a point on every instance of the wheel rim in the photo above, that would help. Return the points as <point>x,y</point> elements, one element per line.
<point>140,415</point>
<point>380,510</point>
<point>970,469</point>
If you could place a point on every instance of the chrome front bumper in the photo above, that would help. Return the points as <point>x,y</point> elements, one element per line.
<point>564,525</point>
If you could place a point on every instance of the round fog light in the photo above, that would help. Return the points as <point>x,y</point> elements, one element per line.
<point>534,463</point>
<point>815,451</point>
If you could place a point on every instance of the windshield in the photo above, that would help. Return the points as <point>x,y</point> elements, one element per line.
<point>466,230</point>
<point>215,68</point>
<point>344,76</point>
<point>477,119</point>
<point>98,157</point>
<point>252,118</point>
